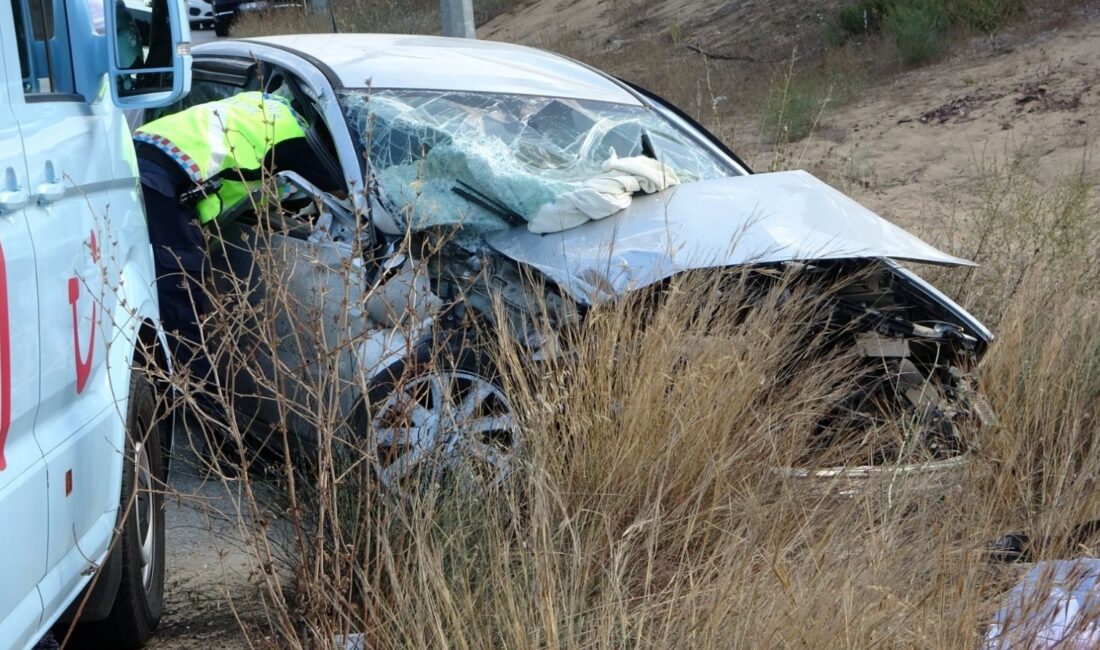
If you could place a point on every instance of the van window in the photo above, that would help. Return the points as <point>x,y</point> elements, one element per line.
<point>45,60</point>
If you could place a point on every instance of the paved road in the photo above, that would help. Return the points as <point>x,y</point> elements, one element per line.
<point>207,563</point>
<point>200,36</point>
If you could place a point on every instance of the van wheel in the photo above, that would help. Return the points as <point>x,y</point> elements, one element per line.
<point>140,598</point>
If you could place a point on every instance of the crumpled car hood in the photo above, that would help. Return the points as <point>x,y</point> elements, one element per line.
<point>756,219</point>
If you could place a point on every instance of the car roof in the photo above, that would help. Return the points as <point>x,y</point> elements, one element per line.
<point>439,63</point>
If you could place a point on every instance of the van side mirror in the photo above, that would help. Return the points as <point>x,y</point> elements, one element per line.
<point>149,52</point>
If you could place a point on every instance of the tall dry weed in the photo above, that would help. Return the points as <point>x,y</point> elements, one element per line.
<point>1037,286</point>
<point>646,506</point>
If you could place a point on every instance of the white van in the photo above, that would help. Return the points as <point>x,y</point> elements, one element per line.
<point>83,528</point>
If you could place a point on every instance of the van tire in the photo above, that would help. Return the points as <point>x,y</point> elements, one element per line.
<point>140,599</point>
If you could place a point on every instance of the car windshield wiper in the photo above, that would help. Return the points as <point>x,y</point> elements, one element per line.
<point>647,145</point>
<point>510,216</point>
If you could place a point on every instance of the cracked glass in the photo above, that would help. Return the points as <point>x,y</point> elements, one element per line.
<point>488,161</point>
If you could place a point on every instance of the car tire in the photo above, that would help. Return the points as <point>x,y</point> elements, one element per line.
<point>139,601</point>
<point>460,365</point>
<point>221,28</point>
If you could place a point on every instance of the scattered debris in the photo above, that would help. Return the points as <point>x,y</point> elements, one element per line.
<point>1031,98</point>
<point>719,57</point>
<point>1011,547</point>
<point>958,109</point>
<point>350,642</point>
<point>1037,97</point>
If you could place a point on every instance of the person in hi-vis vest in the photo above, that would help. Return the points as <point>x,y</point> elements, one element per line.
<point>197,165</point>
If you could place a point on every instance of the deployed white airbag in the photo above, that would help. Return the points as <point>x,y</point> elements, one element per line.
<point>605,194</point>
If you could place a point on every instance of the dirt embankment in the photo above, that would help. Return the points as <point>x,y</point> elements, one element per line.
<point>745,31</point>
<point>918,146</point>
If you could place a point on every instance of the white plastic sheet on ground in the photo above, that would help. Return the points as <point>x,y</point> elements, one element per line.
<point>515,153</point>
<point>1056,605</point>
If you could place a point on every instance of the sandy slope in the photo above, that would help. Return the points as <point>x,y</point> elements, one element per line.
<point>749,29</point>
<point>913,148</point>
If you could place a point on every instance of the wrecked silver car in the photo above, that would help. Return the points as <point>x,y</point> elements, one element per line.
<point>532,164</point>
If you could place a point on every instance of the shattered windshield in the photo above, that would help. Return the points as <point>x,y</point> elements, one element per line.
<point>487,161</point>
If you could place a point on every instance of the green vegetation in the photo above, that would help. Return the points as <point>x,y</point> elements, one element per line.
<point>797,98</point>
<point>862,17</point>
<point>986,15</point>
<point>793,109</point>
<point>917,31</point>
<point>918,27</point>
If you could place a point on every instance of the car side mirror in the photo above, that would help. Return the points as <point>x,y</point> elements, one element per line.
<point>149,52</point>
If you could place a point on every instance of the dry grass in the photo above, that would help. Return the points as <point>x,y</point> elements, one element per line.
<point>648,512</point>
<point>372,16</point>
<point>366,16</point>
<point>1037,287</point>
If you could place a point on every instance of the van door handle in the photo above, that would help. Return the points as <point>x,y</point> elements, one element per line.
<point>50,192</point>
<point>11,200</point>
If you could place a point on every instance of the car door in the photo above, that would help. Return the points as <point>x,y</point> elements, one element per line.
<point>23,485</point>
<point>66,146</point>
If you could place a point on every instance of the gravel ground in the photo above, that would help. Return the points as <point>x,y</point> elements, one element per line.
<point>208,569</point>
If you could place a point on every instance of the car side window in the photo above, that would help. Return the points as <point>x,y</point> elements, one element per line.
<point>45,60</point>
<point>201,92</point>
<point>276,85</point>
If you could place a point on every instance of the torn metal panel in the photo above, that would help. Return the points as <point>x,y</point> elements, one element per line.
<point>301,292</point>
<point>758,219</point>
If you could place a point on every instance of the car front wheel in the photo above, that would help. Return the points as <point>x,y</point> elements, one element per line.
<point>441,418</point>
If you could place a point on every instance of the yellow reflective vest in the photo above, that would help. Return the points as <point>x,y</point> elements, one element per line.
<point>226,139</point>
